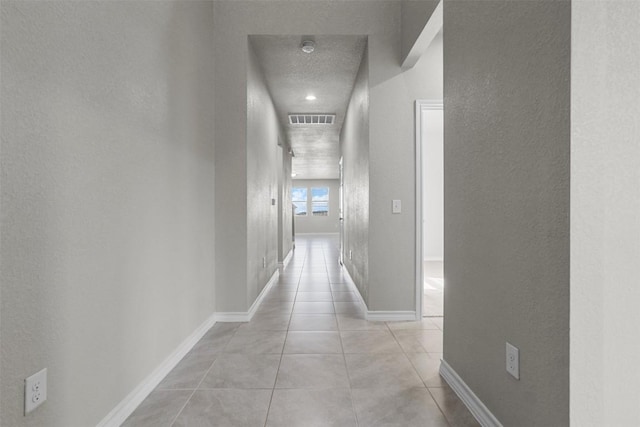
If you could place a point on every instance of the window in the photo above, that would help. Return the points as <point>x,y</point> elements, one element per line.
<point>318,198</point>
<point>320,201</point>
<point>299,199</point>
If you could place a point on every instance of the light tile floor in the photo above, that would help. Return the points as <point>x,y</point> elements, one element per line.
<point>308,358</point>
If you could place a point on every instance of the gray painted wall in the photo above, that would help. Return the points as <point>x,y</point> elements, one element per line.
<point>506,104</point>
<point>263,132</point>
<point>285,213</point>
<point>107,192</point>
<point>392,176</point>
<point>354,145</point>
<point>320,224</point>
<point>415,14</point>
<point>605,206</point>
<point>230,121</point>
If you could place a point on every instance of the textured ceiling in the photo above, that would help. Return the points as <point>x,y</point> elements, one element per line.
<point>328,73</point>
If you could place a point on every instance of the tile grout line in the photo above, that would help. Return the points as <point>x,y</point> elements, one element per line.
<point>346,368</point>
<point>203,377</point>
<point>391,331</point>
<point>420,376</point>
<point>344,358</point>
<point>173,422</point>
<point>213,363</point>
<point>275,381</point>
<point>446,418</point>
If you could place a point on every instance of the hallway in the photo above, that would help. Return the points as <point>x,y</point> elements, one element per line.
<point>308,358</point>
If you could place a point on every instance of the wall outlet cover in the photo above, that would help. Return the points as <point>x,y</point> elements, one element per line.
<point>513,361</point>
<point>35,390</point>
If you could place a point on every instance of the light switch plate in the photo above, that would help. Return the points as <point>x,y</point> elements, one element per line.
<point>396,207</point>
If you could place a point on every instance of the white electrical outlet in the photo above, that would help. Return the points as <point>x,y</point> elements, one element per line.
<point>396,206</point>
<point>35,390</point>
<point>513,361</point>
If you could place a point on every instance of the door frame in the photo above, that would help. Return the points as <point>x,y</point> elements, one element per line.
<point>420,106</point>
<point>341,209</point>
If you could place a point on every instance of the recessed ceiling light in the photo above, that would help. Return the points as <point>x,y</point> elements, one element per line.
<point>310,98</point>
<point>293,174</point>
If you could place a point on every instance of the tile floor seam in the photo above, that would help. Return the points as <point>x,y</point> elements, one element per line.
<point>275,380</point>
<point>411,363</point>
<point>422,379</point>
<point>173,422</point>
<point>446,418</point>
<point>344,358</point>
<point>353,405</point>
<point>205,375</point>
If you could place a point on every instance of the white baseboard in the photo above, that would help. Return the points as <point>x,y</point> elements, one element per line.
<point>246,316</point>
<point>126,407</point>
<point>468,397</point>
<point>320,233</point>
<point>286,260</point>
<point>256,304</point>
<point>232,316</point>
<point>350,282</point>
<point>379,315</point>
<point>354,289</point>
<point>390,316</point>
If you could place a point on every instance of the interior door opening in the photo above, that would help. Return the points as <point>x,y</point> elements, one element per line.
<point>430,216</point>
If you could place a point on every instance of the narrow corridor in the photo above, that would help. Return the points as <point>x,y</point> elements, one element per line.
<point>308,358</point>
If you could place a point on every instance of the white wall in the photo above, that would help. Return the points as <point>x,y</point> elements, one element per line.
<point>107,197</point>
<point>506,152</point>
<point>230,120</point>
<point>432,144</point>
<point>605,213</point>
<point>263,131</point>
<point>392,176</point>
<point>320,224</point>
<point>354,148</point>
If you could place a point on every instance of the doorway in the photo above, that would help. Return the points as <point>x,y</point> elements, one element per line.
<point>430,280</point>
<point>341,211</point>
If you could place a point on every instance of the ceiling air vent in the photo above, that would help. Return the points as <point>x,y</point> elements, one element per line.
<point>312,119</point>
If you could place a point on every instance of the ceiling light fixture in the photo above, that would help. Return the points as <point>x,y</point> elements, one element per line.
<point>310,98</point>
<point>308,46</point>
<point>293,174</point>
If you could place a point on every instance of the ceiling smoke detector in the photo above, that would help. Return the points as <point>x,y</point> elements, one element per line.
<point>308,46</point>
